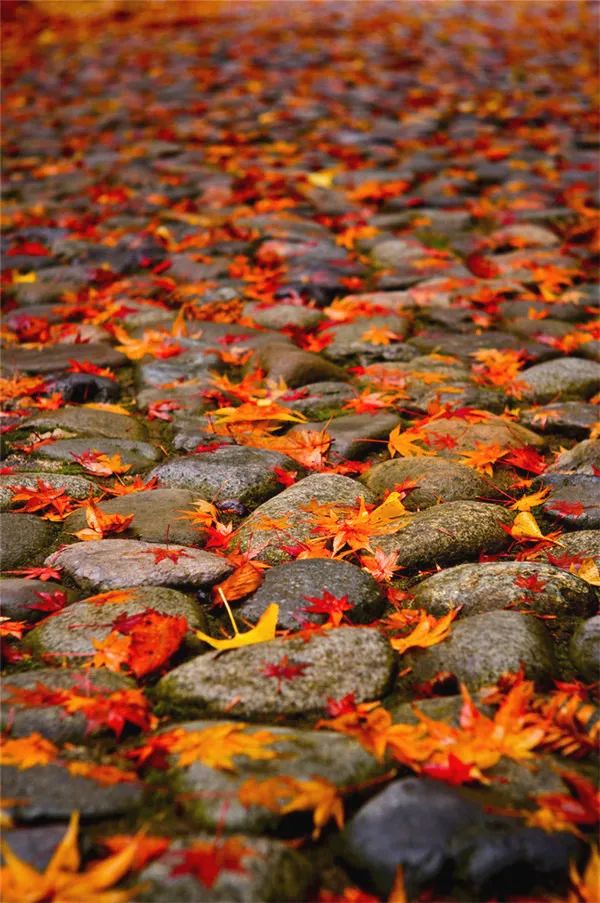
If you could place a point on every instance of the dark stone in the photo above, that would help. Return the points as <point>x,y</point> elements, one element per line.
<point>25,540</point>
<point>290,584</point>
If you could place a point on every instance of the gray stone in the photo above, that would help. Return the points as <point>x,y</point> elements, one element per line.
<point>17,595</point>
<point>209,795</point>
<point>71,632</point>
<point>88,422</point>
<point>77,487</point>
<point>50,791</point>
<point>437,480</point>
<point>449,534</point>
<point>35,845</point>
<point>585,649</point>
<point>157,517</point>
<point>290,584</point>
<point>560,379</point>
<point>294,366</point>
<point>318,401</point>
<point>270,871</point>
<point>355,435</point>
<point>348,339</point>
<point>569,418</point>
<point>581,496</point>
<point>231,472</point>
<point>583,458</point>
<point>575,548</point>
<point>340,661</point>
<point>483,647</point>
<point>288,506</point>
<point>53,721</point>
<point>116,563</point>
<point>280,315</point>
<point>464,345</point>
<point>57,358</point>
<point>25,540</point>
<point>138,455</point>
<point>502,584</point>
<point>465,436</point>
<point>533,236</point>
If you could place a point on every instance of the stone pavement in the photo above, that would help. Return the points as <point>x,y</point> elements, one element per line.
<point>298,323</point>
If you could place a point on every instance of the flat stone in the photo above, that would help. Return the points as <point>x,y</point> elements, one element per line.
<point>50,791</point>
<point>355,435</point>
<point>17,595</point>
<point>528,585</point>
<point>294,366</point>
<point>352,339</point>
<point>209,795</point>
<point>318,401</point>
<point>281,315</point>
<point>463,346</point>
<point>437,480</point>
<point>344,660</point>
<point>464,436</point>
<point>584,649</point>
<point>583,458</point>
<point>290,584</point>
<point>569,418</point>
<point>77,487</point>
<point>71,632</point>
<point>115,563</point>
<point>88,422</point>
<point>24,540</point>
<point>560,379</point>
<point>269,871</point>
<point>231,472</point>
<point>157,517</point>
<point>483,647</point>
<point>56,358</point>
<point>574,501</point>
<point>449,534</point>
<point>296,524</point>
<point>139,455</point>
<point>575,547</point>
<point>52,721</point>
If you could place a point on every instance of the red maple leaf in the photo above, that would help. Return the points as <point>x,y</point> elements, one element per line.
<point>285,477</point>
<point>329,605</point>
<point>343,706</point>
<point>566,509</point>
<point>51,602</point>
<point>43,573</point>
<point>481,266</point>
<point>155,637</point>
<point>284,669</point>
<point>526,458</point>
<point>205,860</point>
<point>452,771</point>
<point>532,584</point>
<point>171,554</point>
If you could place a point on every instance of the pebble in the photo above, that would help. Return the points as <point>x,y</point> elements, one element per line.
<point>247,682</point>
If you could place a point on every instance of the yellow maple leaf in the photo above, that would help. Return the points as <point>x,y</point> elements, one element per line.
<point>527,502</point>
<point>105,406</point>
<point>428,632</point>
<point>482,457</point>
<point>284,794</point>
<point>403,443</point>
<point>380,335</point>
<point>587,570</point>
<point>27,752</point>
<point>216,746</point>
<point>525,526</point>
<point>62,882</point>
<point>262,632</point>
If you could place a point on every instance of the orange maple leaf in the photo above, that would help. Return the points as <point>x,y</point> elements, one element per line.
<point>284,794</point>
<point>429,631</point>
<point>101,524</point>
